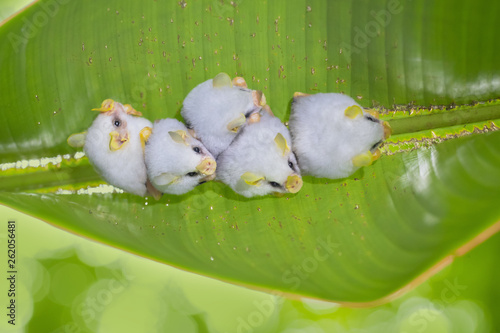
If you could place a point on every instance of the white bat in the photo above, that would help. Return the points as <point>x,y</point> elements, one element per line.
<point>333,136</point>
<point>176,162</point>
<point>218,108</point>
<point>260,160</point>
<point>114,146</point>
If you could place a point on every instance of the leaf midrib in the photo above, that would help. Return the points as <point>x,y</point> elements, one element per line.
<point>43,177</point>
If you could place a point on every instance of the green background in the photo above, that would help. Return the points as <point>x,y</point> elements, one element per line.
<point>67,284</point>
<point>58,272</point>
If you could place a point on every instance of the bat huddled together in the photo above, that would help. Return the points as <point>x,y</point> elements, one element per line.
<point>232,136</point>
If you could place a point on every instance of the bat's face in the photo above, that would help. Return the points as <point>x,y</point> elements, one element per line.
<point>260,161</point>
<point>369,131</point>
<point>111,129</point>
<point>176,161</point>
<point>333,136</point>
<point>283,176</point>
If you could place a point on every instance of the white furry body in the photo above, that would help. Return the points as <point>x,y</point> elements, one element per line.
<point>209,110</point>
<point>165,156</point>
<point>325,140</point>
<point>123,168</point>
<point>255,151</point>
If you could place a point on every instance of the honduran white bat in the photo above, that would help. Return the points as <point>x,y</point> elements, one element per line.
<point>260,160</point>
<point>218,108</point>
<point>114,146</point>
<point>333,136</point>
<point>176,162</point>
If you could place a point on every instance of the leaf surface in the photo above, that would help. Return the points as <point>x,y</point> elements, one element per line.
<point>355,240</point>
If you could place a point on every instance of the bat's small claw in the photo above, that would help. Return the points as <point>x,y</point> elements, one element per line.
<point>298,94</point>
<point>387,130</point>
<point>144,134</point>
<point>254,118</point>
<point>192,133</point>
<point>374,113</point>
<point>238,81</point>
<point>207,178</point>
<point>153,191</point>
<point>376,155</point>
<point>267,109</point>
<point>259,99</point>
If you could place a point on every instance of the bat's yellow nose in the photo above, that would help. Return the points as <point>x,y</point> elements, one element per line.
<point>293,183</point>
<point>117,141</point>
<point>207,166</point>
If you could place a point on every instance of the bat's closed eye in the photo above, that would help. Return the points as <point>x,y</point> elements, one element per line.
<point>192,174</point>
<point>370,118</point>
<point>375,146</point>
<point>274,184</point>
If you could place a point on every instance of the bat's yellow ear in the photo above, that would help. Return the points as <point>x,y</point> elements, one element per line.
<point>222,80</point>
<point>106,105</point>
<point>281,144</point>
<point>77,140</point>
<point>235,124</point>
<point>144,135</point>
<point>131,111</point>
<point>179,136</point>
<point>251,178</point>
<point>165,178</point>
<point>364,159</point>
<point>353,112</point>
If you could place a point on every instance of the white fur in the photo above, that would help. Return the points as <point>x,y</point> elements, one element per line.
<point>254,150</point>
<point>209,110</point>
<point>164,155</point>
<point>123,168</point>
<point>325,140</point>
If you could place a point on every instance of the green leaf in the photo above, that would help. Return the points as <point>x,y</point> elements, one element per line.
<point>355,240</point>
